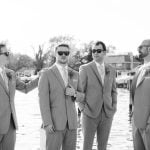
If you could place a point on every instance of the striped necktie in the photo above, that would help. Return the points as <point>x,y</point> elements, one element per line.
<point>65,75</point>
<point>4,76</point>
<point>102,72</point>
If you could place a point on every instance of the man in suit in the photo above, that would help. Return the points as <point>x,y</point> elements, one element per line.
<point>8,83</point>
<point>141,100</point>
<point>99,86</point>
<point>59,88</point>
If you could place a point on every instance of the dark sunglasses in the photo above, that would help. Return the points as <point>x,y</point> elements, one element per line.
<point>97,50</point>
<point>66,53</point>
<point>5,53</point>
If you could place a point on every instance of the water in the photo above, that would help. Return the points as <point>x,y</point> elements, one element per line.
<point>29,119</point>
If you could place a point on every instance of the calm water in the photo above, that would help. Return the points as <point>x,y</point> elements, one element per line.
<point>29,119</point>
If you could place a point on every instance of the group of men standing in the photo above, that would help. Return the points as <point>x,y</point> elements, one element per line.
<point>93,89</point>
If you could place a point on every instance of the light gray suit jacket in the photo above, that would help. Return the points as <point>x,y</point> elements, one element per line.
<point>141,101</point>
<point>96,94</point>
<point>7,98</point>
<point>56,108</point>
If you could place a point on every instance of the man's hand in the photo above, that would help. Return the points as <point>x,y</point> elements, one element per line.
<point>50,128</point>
<point>70,91</point>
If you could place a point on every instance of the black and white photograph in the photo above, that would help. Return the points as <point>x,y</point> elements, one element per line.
<point>74,75</point>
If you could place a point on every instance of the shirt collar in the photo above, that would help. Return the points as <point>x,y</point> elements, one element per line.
<point>145,66</point>
<point>99,65</point>
<point>61,66</point>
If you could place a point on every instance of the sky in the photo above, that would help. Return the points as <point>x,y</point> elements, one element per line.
<point>27,23</point>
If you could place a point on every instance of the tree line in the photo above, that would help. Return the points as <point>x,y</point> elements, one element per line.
<point>46,58</point>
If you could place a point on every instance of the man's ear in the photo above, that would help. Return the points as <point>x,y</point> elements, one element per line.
<point>149,50</point>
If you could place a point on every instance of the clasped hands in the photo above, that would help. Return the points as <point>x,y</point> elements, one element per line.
<point>70,91</point>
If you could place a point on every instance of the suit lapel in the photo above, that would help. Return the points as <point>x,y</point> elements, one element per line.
<point>107,74</point>
<point>58,75</point>
<point>11,84</point>
<point>134,81</point>
<point>136,78</point>
<point>142,79</point>
<point>69,75</point>
<point>72,78</point>
<point>12,88</point>
<point>94,68</point>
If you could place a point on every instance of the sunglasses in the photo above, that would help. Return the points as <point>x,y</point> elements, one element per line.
<point>97,50</point>
<point>5,53</point>
<point>66,53</point>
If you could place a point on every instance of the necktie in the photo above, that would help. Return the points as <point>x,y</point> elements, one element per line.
<point>65,75</point>
<point>4,76</point>
<point>102,72</point>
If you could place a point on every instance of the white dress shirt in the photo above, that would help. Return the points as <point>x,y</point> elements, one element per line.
<point>64,72</point>
<point>101,70</point>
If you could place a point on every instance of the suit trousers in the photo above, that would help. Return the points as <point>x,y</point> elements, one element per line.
<point>7,141</point>
<point>141,138</point>
<point>65,139</point>
<point>101,125</point>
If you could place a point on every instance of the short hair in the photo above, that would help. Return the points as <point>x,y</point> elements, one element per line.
<point>1,46</point>
<point>101,43</point>
<point>62,45</point>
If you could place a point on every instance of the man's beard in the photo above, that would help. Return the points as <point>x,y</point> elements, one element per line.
<point>143,55</point>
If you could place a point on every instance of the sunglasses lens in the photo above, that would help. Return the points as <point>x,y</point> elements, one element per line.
<point>94,51</point>
<point>63,52</point>
<point>97,50</point>
<point>66,53</point>
<point>60,53</point>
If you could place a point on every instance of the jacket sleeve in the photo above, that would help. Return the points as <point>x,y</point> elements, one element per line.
<point>26,87</point>
<point>80,96</point>
<point>44,99</point>
<point>114,91</point>
<point>83,80</point>
<point>132,89</point>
